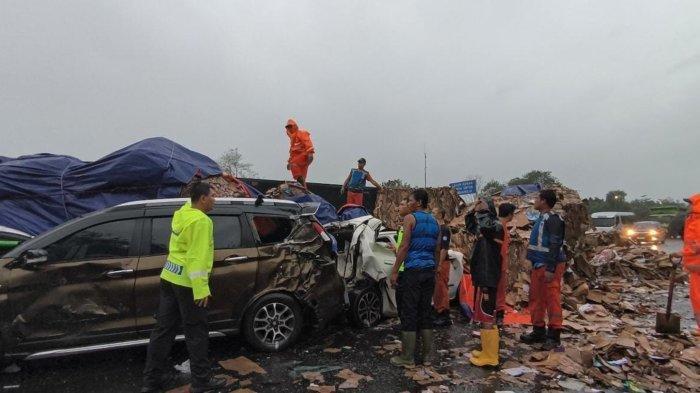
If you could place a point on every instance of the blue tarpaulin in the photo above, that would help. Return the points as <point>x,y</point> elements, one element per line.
<point>326,212</point>
<point>348,212</point>
<point>521,189</point>
<point>41,191</point>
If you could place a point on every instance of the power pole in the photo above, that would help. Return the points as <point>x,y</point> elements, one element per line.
<point>425,168</point>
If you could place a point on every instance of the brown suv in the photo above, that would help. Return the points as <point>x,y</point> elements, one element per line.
<point>92,283</point>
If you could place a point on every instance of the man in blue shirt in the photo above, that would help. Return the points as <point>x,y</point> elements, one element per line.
<point>356,182</point>
<point>418,252</point>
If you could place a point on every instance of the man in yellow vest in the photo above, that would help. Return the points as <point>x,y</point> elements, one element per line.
<point>185,295</point>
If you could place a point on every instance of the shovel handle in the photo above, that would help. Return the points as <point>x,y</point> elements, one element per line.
<point>675,261</point>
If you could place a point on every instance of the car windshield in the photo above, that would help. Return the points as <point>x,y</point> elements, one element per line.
<point>646,225</point>
<point>604,222</point>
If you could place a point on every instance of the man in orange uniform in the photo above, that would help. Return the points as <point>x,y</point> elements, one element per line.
<point>301,151</point>
<point>691,255</point>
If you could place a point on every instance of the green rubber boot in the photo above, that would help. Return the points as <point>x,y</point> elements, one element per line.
<point>427,354</point>
<point>408,349</point>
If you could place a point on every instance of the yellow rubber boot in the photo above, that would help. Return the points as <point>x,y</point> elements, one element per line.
<point>490,343</point>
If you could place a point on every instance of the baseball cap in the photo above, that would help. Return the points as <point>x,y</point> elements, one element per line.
<point>362,161</point>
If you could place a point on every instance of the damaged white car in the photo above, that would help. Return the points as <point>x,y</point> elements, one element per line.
<point>365,259</point>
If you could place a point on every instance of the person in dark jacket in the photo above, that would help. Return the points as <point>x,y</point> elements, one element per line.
<point>485,265</point>
<point>545,253</point>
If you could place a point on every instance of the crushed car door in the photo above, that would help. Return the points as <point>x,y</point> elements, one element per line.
<point>84,289</point>
<point>233,277</point>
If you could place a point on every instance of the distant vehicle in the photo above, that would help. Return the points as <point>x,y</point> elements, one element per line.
<point>646,232</point>
<point>611,221</point>
<point>92,283</point>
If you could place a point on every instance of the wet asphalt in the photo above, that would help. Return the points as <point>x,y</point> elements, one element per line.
<point>120,370</point>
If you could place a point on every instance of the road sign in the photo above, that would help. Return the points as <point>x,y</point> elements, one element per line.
<point>465,187</point>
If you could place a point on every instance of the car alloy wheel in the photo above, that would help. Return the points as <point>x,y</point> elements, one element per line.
<point>274,323</point>
<point>368,308</point>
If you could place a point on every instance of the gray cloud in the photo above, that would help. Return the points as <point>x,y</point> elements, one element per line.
<point>604,94</point>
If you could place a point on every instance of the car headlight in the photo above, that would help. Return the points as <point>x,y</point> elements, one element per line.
<point>653,232</point>
<point>630,232</point>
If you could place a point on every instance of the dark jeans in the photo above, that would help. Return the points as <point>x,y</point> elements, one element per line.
<point>417,287</point>
<point>177,308</point>
<point>399,294</point>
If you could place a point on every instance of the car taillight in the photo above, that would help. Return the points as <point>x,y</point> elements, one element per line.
<point>321,231</point>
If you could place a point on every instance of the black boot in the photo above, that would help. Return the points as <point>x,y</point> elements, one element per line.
<point>500,314</point>
<point>160,384</point>
<point>553,339</point>
<point>213,384</point>
<point>538,335</point>
<point>443,319</point>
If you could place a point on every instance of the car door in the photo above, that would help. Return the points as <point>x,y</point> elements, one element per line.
<point>232,281</point>
<point>85,289</point>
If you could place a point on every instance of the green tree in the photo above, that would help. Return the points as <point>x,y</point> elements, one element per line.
<point>232,162</point>
<point>545,178</point>
<point>615,201</point>
<point>492,187</point>
<point>395,183</point>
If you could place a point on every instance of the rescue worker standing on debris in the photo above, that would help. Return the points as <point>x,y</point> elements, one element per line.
<point>506,212</point>
<point>185,295</point>
<point>356,182</point>
<point>441,297</point>
<point>691,255</point>
<point>485,267</point>
<point>545,253</point>
<point>301,152</point>
<point>418,252</point>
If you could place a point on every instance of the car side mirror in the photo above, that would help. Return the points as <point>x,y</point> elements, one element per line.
<point>34,258</point>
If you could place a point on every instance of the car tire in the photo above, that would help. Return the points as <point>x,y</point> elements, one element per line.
<point>273,323</point>
<point>366,307</point>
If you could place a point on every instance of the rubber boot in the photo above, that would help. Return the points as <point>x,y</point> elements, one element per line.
<point>538,335</point>
<point>500,315</point>
<point>490,341</point>
<point>478,352</point>
<point>408,349</point>
<point>553,339</point>
<point>427,355</point>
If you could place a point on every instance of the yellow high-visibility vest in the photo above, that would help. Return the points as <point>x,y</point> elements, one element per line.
<point>191,249</point>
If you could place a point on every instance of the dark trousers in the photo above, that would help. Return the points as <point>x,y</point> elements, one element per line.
<point>417,287</point>
<point>399,294</point>
<point>177,308</point>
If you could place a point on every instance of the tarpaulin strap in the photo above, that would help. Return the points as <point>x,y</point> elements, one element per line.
<point>63,195</point>
<point>167,166</point>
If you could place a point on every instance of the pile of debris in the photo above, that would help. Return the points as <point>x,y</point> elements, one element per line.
<point>222,186</point>
<point>570,207</point>
<point>609,331</point>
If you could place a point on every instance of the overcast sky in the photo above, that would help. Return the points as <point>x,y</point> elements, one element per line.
<point>605,94</point>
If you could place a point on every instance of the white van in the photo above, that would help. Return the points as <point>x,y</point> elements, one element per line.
<point>611,221</point>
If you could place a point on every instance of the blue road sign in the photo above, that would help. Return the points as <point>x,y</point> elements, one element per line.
<point>465,187</point>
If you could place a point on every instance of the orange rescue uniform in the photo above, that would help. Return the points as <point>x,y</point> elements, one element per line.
<point>691,253</point>
<point>300,148</point>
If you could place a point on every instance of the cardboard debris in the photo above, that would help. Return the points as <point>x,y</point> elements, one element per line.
<point>242,366</point>
<point>352,379</point>
<point>321,388</point>
<point>313,377</point>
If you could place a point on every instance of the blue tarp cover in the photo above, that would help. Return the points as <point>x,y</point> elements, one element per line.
<point>348,212</point>
<point>326,212</point>
<point>521,189</point>
<point>41,191</point>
